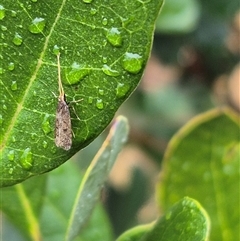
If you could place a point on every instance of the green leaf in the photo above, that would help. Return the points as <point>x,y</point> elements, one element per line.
<point>96,175</point>
<point>202,161</point>
<point>41,210</point>
<point>63,184</point>
<point>186,220</point>
<point>178,16</point>
<point>104,48</point>
<point>22,205</point>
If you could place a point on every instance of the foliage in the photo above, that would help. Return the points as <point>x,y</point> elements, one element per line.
<point>198,189</point>
<point>103,54</point>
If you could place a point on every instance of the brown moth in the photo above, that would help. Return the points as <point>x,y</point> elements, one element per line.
<point>63,127</point>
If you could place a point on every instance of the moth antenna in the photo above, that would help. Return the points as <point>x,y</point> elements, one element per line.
<point>61,91</point>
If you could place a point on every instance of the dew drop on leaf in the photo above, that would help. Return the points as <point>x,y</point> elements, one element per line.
<point>104,21</point>
<point>122,90</point>
<point>11,155</point>
<point>13,13</point>
<point>75,73</point>
<point>87,1</point>
<point>11,66</point>
<point>108,71</point>
<point>56,50</point>
<point>34,136</point>
<point>104,60</point>
<point>10,171</point>
<point>17,40</point>
<point>99,104</point>
<point>101,91</point>
<point>46,125</point>
<point>13,139</point>
<point>14,85</point>
<point>132,62</point>
<point>37,25</point>
<point>2,12</point>
<point>90,99</point>
<point>4,107</point>
<point>114,37</point>
<point>26,159</point>
<point>44,144</point>
<point>3,28</point>
<point>93,11</point>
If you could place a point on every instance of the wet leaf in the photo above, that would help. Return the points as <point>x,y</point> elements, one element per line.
<point>103,46</point>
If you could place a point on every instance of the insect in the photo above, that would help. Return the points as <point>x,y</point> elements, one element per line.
<point>63,127</point>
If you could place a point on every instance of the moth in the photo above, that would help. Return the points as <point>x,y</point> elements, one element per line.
<point>63,127</point>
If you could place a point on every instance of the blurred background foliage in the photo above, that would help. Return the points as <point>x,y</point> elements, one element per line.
<point>194,66</point>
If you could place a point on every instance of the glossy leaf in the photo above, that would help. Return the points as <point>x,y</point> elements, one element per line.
<point>186,220</point>
<point>202,161</point>
<point>104,48</point>
<point>96,175</point>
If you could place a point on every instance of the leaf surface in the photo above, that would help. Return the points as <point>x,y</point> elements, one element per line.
<point>104,47</point>
<point>202,161</point>
<point>185,220</point>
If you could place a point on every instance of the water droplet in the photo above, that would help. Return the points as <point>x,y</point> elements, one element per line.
<point>114,37</point>
<point>76,73</point>
<point>104,60</point>
<point>104,21</point>
<point>108,71</point>
<point>14,85</point>
<point>46,127</point>
<point>2,12</point>
<point>34,93</point>
<point>11,66</point>
<point>87,1</point>
<point>101,92</point>
<point>3,28</point>
<point>90,99</point>
<point>4,107</point>
<point>37,25</point>
<point>34,136</point>
<point>17,40</point>
<point>56,49</point>
<point>99,104</point>
<point>10,171</point>
<point>45,144</point>
<point>11,155</point>
<point>93,11</point>
<point>1,119</point>
<point>13,13</point>
<point>132,62</point>
<point>122,90</point>
<point>13,139</point>
<point>26,159</point>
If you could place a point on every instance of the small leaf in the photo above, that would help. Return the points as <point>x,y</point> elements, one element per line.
<point>96,175</point>
<point>202,161</point>
<point>186,220</point>
<point>22,205</point>
<point>63,184</point>
<point>104,48</point>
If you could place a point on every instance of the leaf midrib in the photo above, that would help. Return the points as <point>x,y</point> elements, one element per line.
<point>33,77</point>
